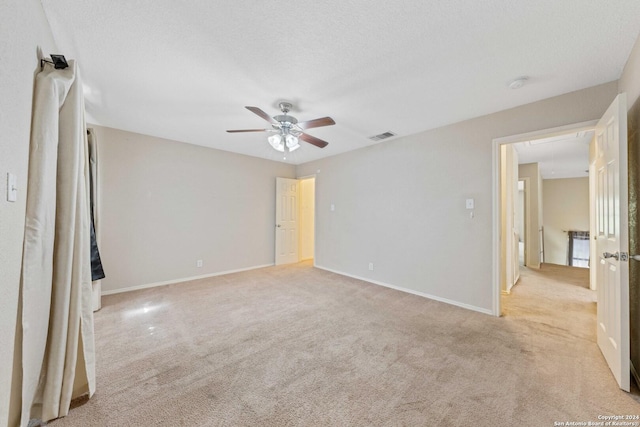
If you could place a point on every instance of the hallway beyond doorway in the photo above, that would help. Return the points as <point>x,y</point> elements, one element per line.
<point>554,295</point>
<point>556,300</point>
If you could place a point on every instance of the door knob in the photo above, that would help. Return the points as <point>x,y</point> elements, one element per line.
<point>278,225</point>
<point>610,255</point>
<point>635,257</point>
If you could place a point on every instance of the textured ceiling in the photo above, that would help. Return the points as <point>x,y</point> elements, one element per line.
<point>184,70</point>
<point>564,156</point>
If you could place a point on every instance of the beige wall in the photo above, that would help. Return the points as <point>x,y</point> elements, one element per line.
<point>401,204</point>
<point>23,29</point>
<point>165,204</point>
<point>566,208</point>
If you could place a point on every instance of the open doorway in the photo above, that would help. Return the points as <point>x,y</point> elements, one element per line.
<point>607,191</point>
<point>560,164</point>
<point>532,232</point>
<point>295,220</point>
<point>521,220</point>
<point>307,218</point>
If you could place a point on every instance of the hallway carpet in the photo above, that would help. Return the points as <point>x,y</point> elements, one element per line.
<point>299,346</point>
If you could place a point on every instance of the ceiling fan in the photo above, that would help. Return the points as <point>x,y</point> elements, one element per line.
<point>287,130</point>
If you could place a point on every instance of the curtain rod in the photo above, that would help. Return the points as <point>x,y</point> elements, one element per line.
<point>59,62</point>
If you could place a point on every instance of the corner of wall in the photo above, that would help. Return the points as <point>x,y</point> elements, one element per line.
<point>630,79</point>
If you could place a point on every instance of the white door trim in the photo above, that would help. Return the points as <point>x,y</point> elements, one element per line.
<point>592,221</point>
<point>495,192</point>
<point>526,218</point>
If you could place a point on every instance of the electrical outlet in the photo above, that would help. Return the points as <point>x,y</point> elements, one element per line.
<point>199,263</point>
<point>370,266</point>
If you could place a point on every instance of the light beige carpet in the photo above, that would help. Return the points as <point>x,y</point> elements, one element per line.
<point>298,346</point>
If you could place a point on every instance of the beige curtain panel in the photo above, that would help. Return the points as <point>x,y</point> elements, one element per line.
<point>58,358</point>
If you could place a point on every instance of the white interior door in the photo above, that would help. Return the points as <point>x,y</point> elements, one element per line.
<point>510,269</point>
<point>612,240</point>
<point>287,226</point>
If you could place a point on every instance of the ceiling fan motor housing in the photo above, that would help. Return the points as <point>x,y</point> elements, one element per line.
<point>284,119</point>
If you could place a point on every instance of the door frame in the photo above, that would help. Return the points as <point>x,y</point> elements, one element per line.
<point>495,191</point>
<point>526,218</point>
<point>279,241</point>
<point>299,209</point>
<point>509,263</point>
<point>592,220</point>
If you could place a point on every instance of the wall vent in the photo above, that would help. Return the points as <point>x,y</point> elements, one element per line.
<point>380,137</point>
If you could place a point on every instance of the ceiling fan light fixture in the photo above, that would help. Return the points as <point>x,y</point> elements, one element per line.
<point>292,142</point>
<point>276,142</point>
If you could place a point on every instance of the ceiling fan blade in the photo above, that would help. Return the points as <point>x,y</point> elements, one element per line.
<point>246,130</point>
<point>324,121</point>
<point>313,140</point>
<point>259,112</point>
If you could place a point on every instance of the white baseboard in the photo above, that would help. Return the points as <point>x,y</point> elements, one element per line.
<point>508,290</point>
<point>411,291</point>
<point>186,279</point>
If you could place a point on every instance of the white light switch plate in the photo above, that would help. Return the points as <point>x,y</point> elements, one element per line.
<point>470,203</point>
<point>12,187</point>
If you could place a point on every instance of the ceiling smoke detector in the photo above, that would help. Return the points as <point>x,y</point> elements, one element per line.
<point>518,83</point>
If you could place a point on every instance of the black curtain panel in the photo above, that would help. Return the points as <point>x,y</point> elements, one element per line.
<point>97,272</point>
